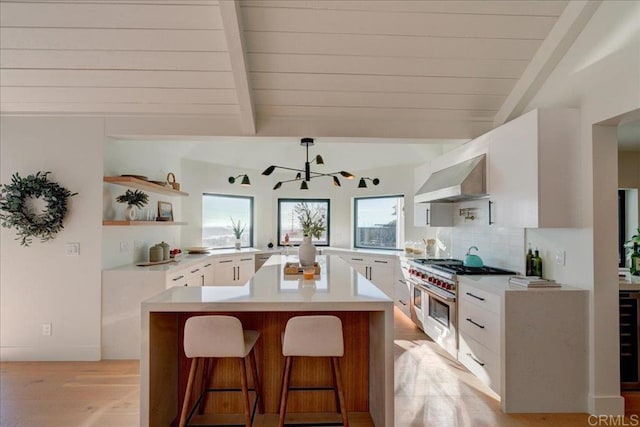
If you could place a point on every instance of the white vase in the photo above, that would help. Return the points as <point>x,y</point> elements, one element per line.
<point>306,252</point>
<point>238,244</point>
<point>130,213</point>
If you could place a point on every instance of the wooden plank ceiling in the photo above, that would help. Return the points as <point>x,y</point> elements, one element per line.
<point>413,69</point>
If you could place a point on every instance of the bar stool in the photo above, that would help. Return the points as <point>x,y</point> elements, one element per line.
<point>208,337</point>
<point>313,336</point>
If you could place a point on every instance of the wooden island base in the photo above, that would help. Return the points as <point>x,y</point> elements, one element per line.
<point>264,304</point>
<point>169,369</point>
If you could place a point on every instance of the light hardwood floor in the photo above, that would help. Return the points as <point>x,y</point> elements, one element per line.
<point>431,389</point>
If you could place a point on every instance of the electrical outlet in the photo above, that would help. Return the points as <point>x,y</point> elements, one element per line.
<point>46,329</point>
<point>125,247</point>
<point>72,249</point>
<point>561,257</point>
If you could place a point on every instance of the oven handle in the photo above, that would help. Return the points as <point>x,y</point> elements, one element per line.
<point>434,294</point>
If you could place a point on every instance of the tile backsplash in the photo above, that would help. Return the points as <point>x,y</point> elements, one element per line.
<point>497,246</point>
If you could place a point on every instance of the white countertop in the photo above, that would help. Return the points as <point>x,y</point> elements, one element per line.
<point>500,284</point>
<point>337,287</point>
<point>185,260</point>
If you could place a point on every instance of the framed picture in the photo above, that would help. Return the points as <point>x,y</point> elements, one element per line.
<point>165,211</point>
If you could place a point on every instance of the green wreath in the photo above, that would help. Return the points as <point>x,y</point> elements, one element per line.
<point>15,212</point>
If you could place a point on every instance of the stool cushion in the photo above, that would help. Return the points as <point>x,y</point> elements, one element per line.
<point>313,336</point>
<point>217,336</point>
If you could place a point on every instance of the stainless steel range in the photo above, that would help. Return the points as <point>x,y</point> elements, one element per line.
<point>434,295</point>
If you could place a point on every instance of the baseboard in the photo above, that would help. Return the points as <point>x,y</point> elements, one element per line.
<point>606,405</point>
<point>50,354</point>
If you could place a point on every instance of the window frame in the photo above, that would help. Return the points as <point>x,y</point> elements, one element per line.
<point>298,200</point>
<point>251,215</point>
<point>355,222</point>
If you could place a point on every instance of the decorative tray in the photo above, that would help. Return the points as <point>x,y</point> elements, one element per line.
<point>296,268</point>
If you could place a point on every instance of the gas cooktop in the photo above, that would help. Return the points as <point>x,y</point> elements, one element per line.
<point>437,261</point>
<point>460,269</point>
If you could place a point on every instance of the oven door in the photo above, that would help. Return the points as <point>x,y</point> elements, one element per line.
<point>439,320</point>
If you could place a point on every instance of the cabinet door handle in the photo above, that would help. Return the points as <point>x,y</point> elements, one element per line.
<point>208,265</point>
<point>246,259</point>
<point>226,260</point>
<point>202,280</point>
<point>475,296</point>
<point>427,217</point>
<point>490,220</point>
<point>357,259</point>
<point>381,262</point>
<point>402,302</point>
<point>404,282</point>
<point>475,323</point>
<point>475,360</point>
<point>195,271</point>
<point>178,278</point>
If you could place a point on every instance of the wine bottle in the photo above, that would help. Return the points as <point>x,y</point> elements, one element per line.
<point>634,269</point>
<point>537,264</point>
<point>529,262</point>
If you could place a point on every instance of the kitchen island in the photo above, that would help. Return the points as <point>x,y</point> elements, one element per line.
<point>265,303</point>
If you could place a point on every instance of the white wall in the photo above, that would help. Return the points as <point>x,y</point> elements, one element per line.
<point>154,160</point>
<point>629,179</point>
<point>599,75</point>
<point>40,284</point>
<point>204,177</point>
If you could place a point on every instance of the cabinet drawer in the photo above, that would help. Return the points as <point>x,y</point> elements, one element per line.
<point>481,361</point>
<point>401,296</point>
<point>478,297</point>
<point>480,324</point>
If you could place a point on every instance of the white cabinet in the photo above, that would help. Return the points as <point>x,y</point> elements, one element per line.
<point>529,346</point>
<point>533,170</point>
<point>233,270</point>
<point>479,315</point>
<point>433,214</point>
<point>379,270</point>
<point>402,291</point>
<point>262,258</point>
<point>200,274</point>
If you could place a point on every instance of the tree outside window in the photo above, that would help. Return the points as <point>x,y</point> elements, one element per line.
<point>289,225</point>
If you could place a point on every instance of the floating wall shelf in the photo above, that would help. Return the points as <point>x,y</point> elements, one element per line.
<point>129,223</point>
<point>141,184</point>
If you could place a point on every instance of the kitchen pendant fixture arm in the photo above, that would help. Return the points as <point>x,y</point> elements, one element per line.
<point>309,174</point>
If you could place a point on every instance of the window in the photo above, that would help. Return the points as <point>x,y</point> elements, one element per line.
<point>217,211</point>
<point>288,223</point>
<point>379,222</point>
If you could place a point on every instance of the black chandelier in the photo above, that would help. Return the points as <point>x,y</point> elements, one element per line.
<point>308,173</point>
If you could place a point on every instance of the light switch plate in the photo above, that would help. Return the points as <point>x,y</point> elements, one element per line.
<point>560,257</point>
<point>72,249</point>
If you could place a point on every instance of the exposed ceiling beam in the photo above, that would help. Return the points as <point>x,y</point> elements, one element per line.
<point>230,11</point>
<point>553,48</point>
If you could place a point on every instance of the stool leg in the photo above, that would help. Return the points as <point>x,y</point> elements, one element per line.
<point>343,407</point>
<point>187,393</point>
<point>335,387</point>
<point>206,378</point>
<point>288,362</point>
<point>245,393</point>
<point>256,381</point>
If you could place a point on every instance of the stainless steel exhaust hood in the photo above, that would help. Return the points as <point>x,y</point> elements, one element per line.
<point>462,181</point>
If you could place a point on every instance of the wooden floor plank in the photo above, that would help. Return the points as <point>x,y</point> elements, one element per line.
<point>431,389</point>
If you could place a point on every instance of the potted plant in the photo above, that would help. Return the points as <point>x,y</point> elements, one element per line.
<point>312,223</point>
<point>238,229</point>
<point>133,199</point>
<point>633,253</point>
